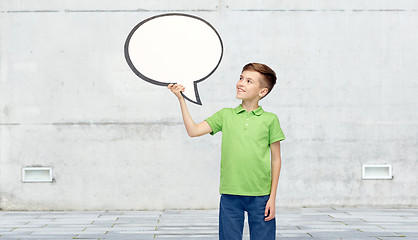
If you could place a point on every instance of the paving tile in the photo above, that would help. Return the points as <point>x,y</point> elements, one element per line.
<point>390,238</point>
<point>410,235</point>
<point>295,224</point>
<point>90,236</point>
<point>188,237</point>
<point>128,236</point>
<point>37,237</point>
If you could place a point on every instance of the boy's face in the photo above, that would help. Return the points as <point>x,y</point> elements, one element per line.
<point>249,86</point>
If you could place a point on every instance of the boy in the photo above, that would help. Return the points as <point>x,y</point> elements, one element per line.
<point>249,178</point>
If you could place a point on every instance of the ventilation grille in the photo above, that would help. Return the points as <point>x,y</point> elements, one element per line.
<point>382,171</point>
<point>37,174</point>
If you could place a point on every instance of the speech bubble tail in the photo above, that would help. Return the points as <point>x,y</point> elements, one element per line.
<point>192,96</point>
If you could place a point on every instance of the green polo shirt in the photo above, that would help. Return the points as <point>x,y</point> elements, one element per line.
<point>245,154</point>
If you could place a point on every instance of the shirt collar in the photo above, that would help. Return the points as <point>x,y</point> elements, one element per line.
<point>257,112</point>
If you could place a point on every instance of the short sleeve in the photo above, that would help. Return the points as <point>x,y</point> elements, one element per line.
<point>215,121</point>
<point>276,133</point>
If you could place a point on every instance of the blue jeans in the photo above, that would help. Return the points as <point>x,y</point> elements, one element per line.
<point>231,218</point>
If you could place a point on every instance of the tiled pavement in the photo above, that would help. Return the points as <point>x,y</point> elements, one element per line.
<point>296,224</point>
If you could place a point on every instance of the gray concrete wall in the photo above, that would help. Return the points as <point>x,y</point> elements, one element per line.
<point>346,96</point>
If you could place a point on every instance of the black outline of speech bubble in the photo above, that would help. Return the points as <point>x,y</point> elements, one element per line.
<point>139,74</point>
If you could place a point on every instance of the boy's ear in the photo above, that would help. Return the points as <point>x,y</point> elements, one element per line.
<point>263,92</point>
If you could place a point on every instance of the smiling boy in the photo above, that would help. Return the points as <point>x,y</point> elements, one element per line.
<point>250,155</point>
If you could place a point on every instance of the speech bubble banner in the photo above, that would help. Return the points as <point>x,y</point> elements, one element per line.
<point>174,48</point>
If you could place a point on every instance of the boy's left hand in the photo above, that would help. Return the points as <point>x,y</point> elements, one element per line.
<point>270,211</point>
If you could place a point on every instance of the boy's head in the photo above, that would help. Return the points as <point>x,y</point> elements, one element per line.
<point>268,79</point>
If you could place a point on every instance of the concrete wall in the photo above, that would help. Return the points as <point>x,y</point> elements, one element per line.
<point>346,95</point>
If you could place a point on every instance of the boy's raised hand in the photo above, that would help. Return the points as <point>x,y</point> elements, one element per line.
<point>176,89</point>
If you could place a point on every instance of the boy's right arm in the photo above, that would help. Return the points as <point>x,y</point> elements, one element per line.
<point>193,129</point>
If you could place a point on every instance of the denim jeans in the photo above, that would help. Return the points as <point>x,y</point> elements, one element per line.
<point>231,218</point>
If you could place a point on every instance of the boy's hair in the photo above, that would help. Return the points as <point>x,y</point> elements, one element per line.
<point>269,76</point>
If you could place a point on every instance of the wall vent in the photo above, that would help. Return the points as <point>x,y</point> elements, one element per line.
<point>378,171</point>
<point>37,174</point>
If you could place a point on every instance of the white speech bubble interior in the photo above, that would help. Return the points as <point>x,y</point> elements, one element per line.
<point>175,48</point>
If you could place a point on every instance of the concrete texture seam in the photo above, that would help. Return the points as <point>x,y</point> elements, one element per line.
<point>288,10</point>
<point>324,10</point>
<point>30,11</point>
<point>206,10</point>
<point>106,11</point>
<point>138,10</point>
<point>94,123</point>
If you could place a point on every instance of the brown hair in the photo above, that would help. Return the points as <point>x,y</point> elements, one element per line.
<point>269,75</point>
